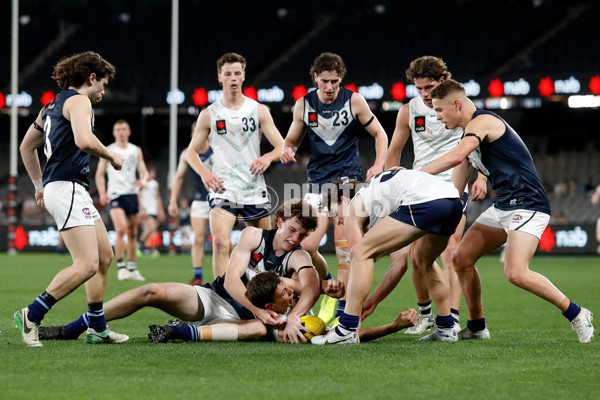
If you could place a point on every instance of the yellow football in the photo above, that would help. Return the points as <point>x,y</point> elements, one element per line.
<point>314,324</point>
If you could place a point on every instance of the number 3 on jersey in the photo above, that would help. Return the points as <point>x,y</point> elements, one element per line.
<point>249,124</point>
<point>47,144</point>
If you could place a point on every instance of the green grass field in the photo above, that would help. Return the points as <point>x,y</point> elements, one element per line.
<point>533,353</point>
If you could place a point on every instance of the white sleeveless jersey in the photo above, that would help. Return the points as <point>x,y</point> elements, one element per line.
<point>148,197</point>
<point>235,140</point>
<point>123,181</point>
<point>387,191</point>
<point>431,139</point>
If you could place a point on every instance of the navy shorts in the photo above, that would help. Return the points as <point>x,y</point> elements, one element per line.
<point>128,202</point>
<point>247,212</point>
<point>437,216</point>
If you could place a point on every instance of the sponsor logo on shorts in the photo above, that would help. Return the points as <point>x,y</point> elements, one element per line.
<point>86,211</point>
<point>313,119</point>
<point>221,127</point>
<point>419,123</point>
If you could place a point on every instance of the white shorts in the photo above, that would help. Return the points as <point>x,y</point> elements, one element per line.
<point>69,204</point>
<point>200,209</point>
<point>215,307</point>
<point>532,222</point>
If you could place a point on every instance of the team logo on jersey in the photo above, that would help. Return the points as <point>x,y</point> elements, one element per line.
<point>221,127</point>
<point>256,259</point>
<point>313,119</point>
<point>516,201</point>
<point>419,123</point>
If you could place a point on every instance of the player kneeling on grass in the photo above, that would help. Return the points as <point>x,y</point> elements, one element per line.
<point>401,207</point>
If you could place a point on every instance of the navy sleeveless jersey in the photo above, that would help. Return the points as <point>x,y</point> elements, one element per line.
<point>512,172</point>
<point>262,259</point>
<point>333,134</point>
<point>201,192</point>
<point>66,161</point>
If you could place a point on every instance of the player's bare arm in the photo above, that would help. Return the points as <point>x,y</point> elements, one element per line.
<point>173,208</point>
<point>198,142</point>
<point>399,138</point>
<point>28,149</point>
<point>295,134</point>
<point>267,126</point>
<point>78,110</point>
<point>141,168</point>
<point>365,117</point>
<point>309,281</point>
<point>238,262</point>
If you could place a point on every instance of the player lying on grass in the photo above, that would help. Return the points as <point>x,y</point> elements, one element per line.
<point>269,291</point>
<point>258,250</point>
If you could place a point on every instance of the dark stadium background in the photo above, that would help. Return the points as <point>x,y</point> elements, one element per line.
<point>494,43</point>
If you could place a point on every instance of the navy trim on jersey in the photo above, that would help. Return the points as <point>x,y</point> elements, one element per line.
<point>70,207</point>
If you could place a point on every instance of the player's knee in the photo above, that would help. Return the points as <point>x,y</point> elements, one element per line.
<point>359,253</point>
<point>460,261</point>
<point>252,331</point>
<point>151,292</point>
<point>121,230</point>
<point>516,278</point>
<point>105,259</point>
<point>221,244</point>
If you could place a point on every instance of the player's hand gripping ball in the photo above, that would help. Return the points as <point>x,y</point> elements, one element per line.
<point>314,324</point>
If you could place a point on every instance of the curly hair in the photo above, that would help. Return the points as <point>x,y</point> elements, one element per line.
<point>430,67</point>
<point>261,289</point>
<point>230,58</point>
<point>306,214</point>
<point>328,62</point>
<point>74,71</point>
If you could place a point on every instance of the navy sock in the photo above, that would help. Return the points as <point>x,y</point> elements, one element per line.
<point>572,311</point>
<point>455,313</point>
<point>187,333</point>
<point>40,306</point>
<point>340,308</point>
<point>424,308</point>
<point>198,273</point>
<point>328,277</point>
<point>121,263</point>
<point>348,323</point>
<point>476,325</point>
<point>76,327</point>
<point>445,321</point>
<point>95,317</point>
